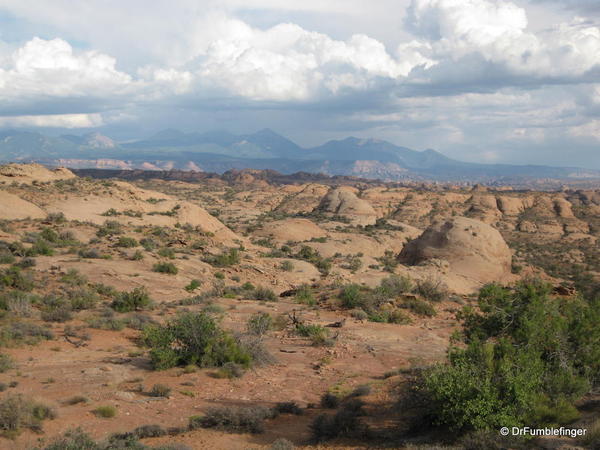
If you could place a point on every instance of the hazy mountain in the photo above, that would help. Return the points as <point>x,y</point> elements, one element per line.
<point>219,151</point>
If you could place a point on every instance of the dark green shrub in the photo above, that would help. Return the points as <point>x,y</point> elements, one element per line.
<point>18,413</point>
<point>419,307</point>
<point>527,357</point>
<point>352,296</point>
<point>160,390</point>
<point>287,266</point>
<point>234,419</point>
<point>193,339</point>
<point>264,293</point>
<point>110,228</point>
<point>6,362</point>
<point>165,267</point>
<point>430,289</point>
<point>13,277</point>
<point>135,300</point>
<point>106,411</point>
<point>289,408</point>
<point>126,242</point>
<point>194,284</point>
<point>304,295</point>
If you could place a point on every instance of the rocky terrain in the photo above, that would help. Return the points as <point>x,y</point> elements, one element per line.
<point>326,293</point>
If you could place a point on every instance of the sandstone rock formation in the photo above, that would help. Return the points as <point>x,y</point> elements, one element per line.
<point>474,250</point>
<point>343,201</point>
<point>28,173</point>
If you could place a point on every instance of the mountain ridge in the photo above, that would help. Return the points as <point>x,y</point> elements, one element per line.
<point>219,151</point>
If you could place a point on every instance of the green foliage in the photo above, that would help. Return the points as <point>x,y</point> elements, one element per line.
<point>431,289</point>
<point>136,300</point>
<point>314,257</point>
<point>160,390</point>
<point>13,277</point>
<point>527,358</point>
<point>110,228</point>
<point>194,284</point>
<point>225,259</point>
<point>106,411</point>
<point>318,334</point>
<point>264,293</point>
<point>165,267</point>
<point>193,339</point>
<point>287,266</point>
<point>304,295</point>
<point>18,413</point>
<point>259,324</point>
<point>126,242</point>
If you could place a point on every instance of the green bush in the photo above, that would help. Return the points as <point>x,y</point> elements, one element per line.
<point>193,339</point>
<point>106,411</point>
<point>13,277</point>
<point>264,293</point>
<point>352,296</point>
<point>18,413</point>
<point>259,324</point>
<point>194,284</point>
<point>430,289</point>
<point>318,334</point>
<point>225,259</point>
<point>287,266</point>
<point>160,390</point>
<point>126,242</point>
<point>136,300</point>
<point>419,307</point>
<point>165,267</point>
<point>304,295</point>
<point>527,357</point>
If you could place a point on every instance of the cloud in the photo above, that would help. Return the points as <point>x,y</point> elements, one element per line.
<point>50,69</point>
<point>53,121</point>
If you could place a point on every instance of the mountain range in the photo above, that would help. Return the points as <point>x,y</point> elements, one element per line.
<point>219,151</point>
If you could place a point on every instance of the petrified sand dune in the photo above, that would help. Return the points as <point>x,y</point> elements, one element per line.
<point>13,207</point>
<point>28,173</point>
<point>343,201</point>
<point>292,230</point>
<point>473,249</point>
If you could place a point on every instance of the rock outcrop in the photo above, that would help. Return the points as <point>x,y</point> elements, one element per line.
<point>473,249</point>
<point>343,202</point>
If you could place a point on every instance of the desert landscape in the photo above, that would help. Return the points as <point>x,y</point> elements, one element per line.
<point>238,312</point>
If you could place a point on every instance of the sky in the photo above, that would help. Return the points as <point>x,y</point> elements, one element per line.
<point>489,81</point>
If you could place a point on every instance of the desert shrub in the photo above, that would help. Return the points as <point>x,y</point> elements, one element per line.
<point>111,212</point>
<point>89,253</point>
<point>18,413</point>
<point>388,261</point>
<point>345,422</point>
<point>56,309</point>
<point>318,334</point>
<point>106,321</point>
<point>160,390</point>
<point>193,339</point>
<point>137,256</point>
<point>193,285</point>
<point>431,289</point>
<point>248,419</point>
<point>6,362</point>
<point>6,257</point>
<point>395,285</point>
<point>40,247</point>
<point>225,259</point>
<point>135,300</point>
<point>126,242</point>
<point>314,257</point>
<point>18,303</point>
<point>165,267</point>
<point>287,266</point>
<point>138,321</point>
<point>264,293</point>
<point>329,400</point>
<point>231,370</point>
<point>105,411</point>
<point>352,296</point>
<point>76,400</point>
<point>104,289</point>
<point>419,307</point>
<point>359,314</point>
<point>26,263</point>
<point>13,277</point>
<point>57,217</point>
<point>289,408</point>
<point>255,347</point>
<point>16,333</point>
<point>527,358</point>
<point>259,324</point>
<point>359,391</point>
<point>73,278</point>
<point>82,298</point>
<point>110,228</point>
<point>219,275</point>
<point>148,244</point>
<point>282,444</point>
<point>304,295</point>
<point>166,252</point>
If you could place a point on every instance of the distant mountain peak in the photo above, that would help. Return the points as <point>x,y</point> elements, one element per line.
<point>97,140</point>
